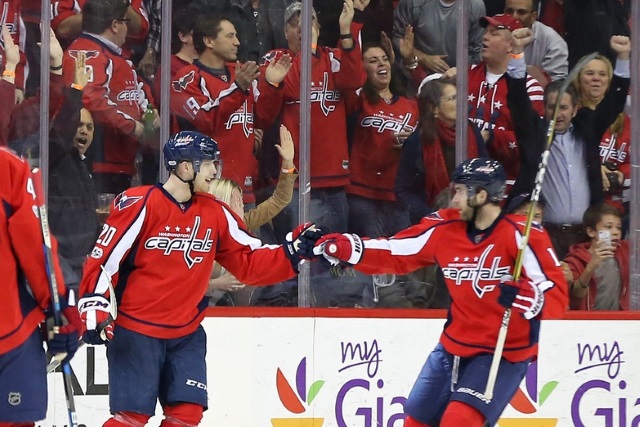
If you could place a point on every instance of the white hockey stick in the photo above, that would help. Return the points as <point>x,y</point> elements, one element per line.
<point>36,178</point>
<point>535,197</point>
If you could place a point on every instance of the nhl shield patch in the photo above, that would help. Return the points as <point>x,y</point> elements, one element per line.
<point>14,398</point>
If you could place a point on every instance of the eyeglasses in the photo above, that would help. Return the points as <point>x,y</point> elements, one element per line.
<point>510,11</point>
<point>123,19</point>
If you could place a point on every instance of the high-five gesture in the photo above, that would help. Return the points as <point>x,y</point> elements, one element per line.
<point>621,45</point>
<point>277,70</point>
<point>81,74</point>
<point>346,17</point>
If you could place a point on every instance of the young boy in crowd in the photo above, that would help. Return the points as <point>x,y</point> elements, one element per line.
<point>598,270</point>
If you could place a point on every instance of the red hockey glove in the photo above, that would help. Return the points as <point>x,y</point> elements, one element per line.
<point>299,243</point>
<point>521,296</point>
<point>338,248</point>
<point>64,340</point>
<point>95,312</point>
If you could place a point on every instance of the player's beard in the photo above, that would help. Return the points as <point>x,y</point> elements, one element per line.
<point>466,213</point>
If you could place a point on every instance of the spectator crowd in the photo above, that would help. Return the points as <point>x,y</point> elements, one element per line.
<point>382,122</point>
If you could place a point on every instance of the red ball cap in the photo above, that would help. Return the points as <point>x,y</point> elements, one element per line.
<point>501,22</point>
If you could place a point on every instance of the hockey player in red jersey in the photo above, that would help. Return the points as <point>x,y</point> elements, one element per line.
<point>157,249</point>
<point>477,254</point>
<point>23,382</point>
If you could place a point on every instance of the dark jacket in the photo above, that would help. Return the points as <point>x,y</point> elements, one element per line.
<point>588,125</point>
<point>72,195</point>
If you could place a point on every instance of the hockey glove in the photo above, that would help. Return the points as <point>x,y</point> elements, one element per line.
<point>299,243</point>
<point>338,248</point>
<point>64,340</point>
<point>95,312</point>
<point>521,296</point>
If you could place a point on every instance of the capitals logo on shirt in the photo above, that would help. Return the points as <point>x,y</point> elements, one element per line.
<point>182,83</point>
<point>185,240</point>
<point>242,116</point>
<point>387,121</point>
<point>323,96</point>
<point>475,269</point>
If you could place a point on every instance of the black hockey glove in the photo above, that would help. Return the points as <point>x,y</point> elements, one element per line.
<point>299,243</point>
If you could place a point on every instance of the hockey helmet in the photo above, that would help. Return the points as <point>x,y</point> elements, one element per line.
<point>190,146</point>
<point>481,174</point>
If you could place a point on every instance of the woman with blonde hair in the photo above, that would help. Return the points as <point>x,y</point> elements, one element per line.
<point>592,84</point>
<point>230,192</point>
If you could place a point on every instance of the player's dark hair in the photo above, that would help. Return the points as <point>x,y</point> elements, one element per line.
<point>184,21</point>
<point>594,214</point>
<point>98,15</point>
<point>554,87</point>
<point>394,84</point>
<point>206,26</point>
<point>428,100</point>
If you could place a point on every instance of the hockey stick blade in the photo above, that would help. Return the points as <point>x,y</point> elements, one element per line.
<point>535,196</point>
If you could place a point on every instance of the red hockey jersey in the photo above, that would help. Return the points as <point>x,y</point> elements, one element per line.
<point>375,152</point>
<point>159,254</point>
<point>63,9</point>
<point>217,107</point>
<point>472,272</point>
<point>116,97</point>
<point>614,148</point>
<point>21,255</point>
<point>333,73</point>
<point>488,109</point>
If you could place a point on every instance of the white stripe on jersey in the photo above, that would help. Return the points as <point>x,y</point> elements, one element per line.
<point>213,103</point>
<point>242,236</point>
<point>405,246</point>
<point>531,265</point>
<point>112,264</point>
<point>335,63</point>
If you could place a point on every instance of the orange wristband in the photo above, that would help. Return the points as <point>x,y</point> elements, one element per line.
<point>8,73</point>
<point>77,86</point>
<point>292,170</point>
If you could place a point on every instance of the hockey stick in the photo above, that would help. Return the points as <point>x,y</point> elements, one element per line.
<point>535,197</point>
<point>113,314</point>
<point>36,177</point>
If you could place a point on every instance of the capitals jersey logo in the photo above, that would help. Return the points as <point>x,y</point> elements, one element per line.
<point>242,116</point>
<point>123,201</point>
<point>383,123</point>
<point>182,83</point>
<point>173,240</point>
<point>324,97</point>
<point>476,269</point>
<point>88,53</point>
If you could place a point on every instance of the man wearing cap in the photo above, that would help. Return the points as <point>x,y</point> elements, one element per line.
<point>548,51</point>
<point>488,107</point>
<point>434,24</point>
<point>333,71</point>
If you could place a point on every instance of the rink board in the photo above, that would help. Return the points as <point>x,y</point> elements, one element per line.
<point>356,372</point>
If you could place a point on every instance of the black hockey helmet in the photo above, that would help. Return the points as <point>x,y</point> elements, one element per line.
<point>481,174</point>
<point>192,147</point>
